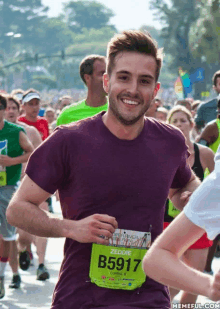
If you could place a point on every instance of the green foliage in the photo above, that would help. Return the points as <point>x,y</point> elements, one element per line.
<point>155,33</point>
<point>52,39</point>
<point>51,35</point>
<point>47,82</point>
<point>189,32</point>
<point>204,35</point>
<point>177,20</point>
<point>93,35</point>
<point>19,17</point>
<point>87,14</point>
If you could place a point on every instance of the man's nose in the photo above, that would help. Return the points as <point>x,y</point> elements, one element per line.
<point>133,87</point>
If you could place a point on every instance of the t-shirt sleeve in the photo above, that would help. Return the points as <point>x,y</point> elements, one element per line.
<point>48,164</point>
<point>183,173</point>
<point>203,208</point>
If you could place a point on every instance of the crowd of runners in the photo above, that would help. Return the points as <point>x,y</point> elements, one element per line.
<point>122,163</point>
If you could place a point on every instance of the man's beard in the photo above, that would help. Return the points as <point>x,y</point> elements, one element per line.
<point>123,120</point>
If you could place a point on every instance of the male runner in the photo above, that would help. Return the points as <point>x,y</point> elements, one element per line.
<point>210,135</point>
<point>92,69</point>
<point>31,105</point>
<point>15,148</point>
<point>207,111</point>
<point>65,101</point>
<point>113,170</point>
<point>201,213</point>
<point>11,115</point>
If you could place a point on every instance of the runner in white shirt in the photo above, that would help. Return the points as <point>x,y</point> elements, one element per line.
<point>162,262</point>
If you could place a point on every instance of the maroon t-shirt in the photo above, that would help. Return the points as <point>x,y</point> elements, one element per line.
<point>95,172</point>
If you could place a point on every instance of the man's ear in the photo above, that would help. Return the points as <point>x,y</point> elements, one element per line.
<point>106,82</point>
<point>87,78</point>
<point>214,87</point>
<point>156,89</point>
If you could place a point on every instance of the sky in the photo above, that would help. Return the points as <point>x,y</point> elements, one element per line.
<point>129,14</point>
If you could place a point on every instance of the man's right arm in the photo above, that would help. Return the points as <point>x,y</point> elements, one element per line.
<point>24,212</point>
<point>35,137</point>
<point>209,135</point>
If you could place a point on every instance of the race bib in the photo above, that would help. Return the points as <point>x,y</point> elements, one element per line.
<point>3,151</point>
<point>118,266</point>
<point>3,179</point>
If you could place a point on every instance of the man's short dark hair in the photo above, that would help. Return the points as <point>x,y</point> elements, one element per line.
<point>3,100</point>
<point>86,65</point>
<point>214,78</point>
<point>136,41</point>
<point>15,100</point>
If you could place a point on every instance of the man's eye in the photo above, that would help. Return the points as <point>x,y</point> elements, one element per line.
<point>144,81</point>
<point>123,77</point>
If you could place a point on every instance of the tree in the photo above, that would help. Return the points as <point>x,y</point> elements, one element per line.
<point>19,17</point>
<point>87,14</point>
<point>51,35</point>
<point>204,37</point>
<point>178,18</point>
<point>155,33</point>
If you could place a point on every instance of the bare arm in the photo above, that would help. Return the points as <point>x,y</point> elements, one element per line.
<point>179,197</point>
<point>207,158</point>
<point>162,261</point>
<point>24,212</point>
<point>35,137</point>
<point>25,145</point>
<point>209,134</point>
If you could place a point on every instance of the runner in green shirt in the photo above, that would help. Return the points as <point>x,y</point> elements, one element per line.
<point>92,69</point>
<point>15,148</point>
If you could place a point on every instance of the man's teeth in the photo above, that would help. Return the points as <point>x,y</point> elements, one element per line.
<point>130,102</point>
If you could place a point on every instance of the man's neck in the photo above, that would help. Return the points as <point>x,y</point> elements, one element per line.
<point>2,123</point>
<point>31,119</point>
<point>122,131</point>
<point>95,100</point>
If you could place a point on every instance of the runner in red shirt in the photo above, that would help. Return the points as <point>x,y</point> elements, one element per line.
<point>31,105</point>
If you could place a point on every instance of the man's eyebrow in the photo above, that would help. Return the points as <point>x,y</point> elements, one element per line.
<point>128,73</point>
<point>147,76</point>
<point>123,72</point>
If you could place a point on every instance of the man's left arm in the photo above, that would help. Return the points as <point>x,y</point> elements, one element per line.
<point>26,145</point>
<point>180,196</point>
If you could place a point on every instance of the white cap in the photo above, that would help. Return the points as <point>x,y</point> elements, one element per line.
<point>30,96</point>
<point>19,95</point>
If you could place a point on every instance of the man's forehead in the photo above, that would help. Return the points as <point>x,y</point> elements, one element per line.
<point>37,101</point>
<point>126,60</point>
<point>11,102</point>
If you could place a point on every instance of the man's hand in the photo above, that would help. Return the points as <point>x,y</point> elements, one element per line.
<point>214,293</point>
<point>6,160</point>
<point>185,197</point>
<point>96,228</point>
